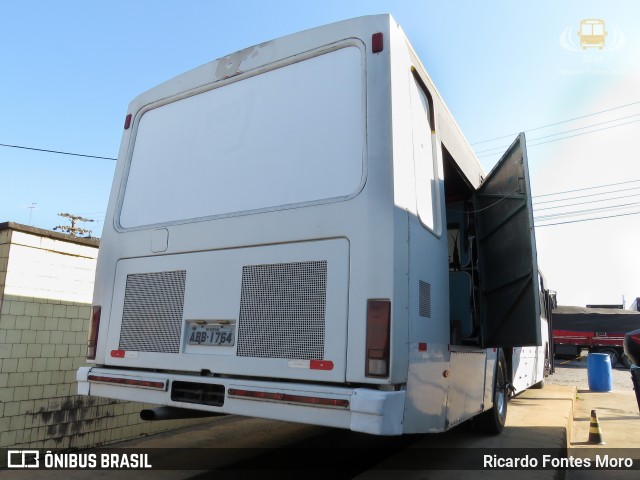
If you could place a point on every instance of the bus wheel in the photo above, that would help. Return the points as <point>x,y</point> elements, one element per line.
<point>492,421</point>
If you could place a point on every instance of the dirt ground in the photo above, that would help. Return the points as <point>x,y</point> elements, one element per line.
<point>574,372</point>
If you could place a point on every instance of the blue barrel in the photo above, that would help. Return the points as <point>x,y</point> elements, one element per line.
<point>599,372</point>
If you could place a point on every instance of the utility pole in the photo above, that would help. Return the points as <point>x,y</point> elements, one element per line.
<point>31,207</point>
<point>73,230</point>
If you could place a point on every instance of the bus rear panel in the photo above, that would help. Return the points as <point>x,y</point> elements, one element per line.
<point>276,242</point>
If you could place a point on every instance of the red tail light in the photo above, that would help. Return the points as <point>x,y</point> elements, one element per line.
<point>377,42</point>
<point>378,333</point>
<point>160,385</point>
<point>289,398</point>
<point>94,327</point>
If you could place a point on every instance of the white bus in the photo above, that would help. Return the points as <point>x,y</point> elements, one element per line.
<point>299,231</point>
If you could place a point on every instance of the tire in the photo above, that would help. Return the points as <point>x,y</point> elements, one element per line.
<point>492,421</point>
<point>613,355</point>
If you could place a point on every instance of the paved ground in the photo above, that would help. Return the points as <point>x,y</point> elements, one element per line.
<point>536,420</point>
<point>557,416</point>
<point>574,372</point>
<point>554,417</point>
<point>617,412</point>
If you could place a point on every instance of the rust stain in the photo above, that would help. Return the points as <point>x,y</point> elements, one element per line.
<point>231,65</point>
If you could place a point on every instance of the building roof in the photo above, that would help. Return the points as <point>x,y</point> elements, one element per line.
<point>18,227</point>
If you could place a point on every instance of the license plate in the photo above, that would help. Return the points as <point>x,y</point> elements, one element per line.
<point>221,335</point>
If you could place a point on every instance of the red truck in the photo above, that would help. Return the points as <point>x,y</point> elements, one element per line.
<point>599,330</point>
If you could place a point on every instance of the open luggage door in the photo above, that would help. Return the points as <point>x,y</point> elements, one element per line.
<point>507,261</point>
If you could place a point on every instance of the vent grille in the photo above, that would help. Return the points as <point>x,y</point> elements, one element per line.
<point>200,393</point>
<point>424,298</point>
<point>152,313</point>
<point>282,310</point>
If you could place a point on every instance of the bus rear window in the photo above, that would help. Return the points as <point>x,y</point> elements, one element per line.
<point>290,136</point>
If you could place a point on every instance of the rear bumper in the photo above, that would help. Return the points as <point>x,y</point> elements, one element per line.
<point>358,409</point>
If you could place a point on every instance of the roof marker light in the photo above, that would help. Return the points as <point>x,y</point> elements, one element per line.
<point>377,43</point>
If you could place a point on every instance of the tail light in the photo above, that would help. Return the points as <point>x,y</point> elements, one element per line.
<point>288,398</point>
<point>377,42</point>
<point>134,382</point>
<point>378,333</point>
<point>94,328</point>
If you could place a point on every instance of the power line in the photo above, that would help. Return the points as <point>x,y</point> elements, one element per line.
<point>584,203</point>
<point>558,139</point>
<point>589,126</point>
<point>537,196</point>
<point>596,194</point>
<point>548,218</point>
<point>587,188</point>
<point>57,152</point>
<point>583,212</point>
<point>559,123</point>
<point>571,130</point>
<point>584,133</point>
<point>87,214</point>
<point>588,219</point>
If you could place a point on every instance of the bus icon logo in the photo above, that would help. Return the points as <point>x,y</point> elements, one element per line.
<point>23,458</point>
<point>592,33</point>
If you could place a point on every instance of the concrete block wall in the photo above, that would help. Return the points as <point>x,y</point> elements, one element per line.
<point>46,285</point>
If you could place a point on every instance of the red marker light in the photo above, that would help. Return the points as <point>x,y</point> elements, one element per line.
<point>94,328</point>
<point>127,122</point>
<point>377,43</point>
<point>321,365</point>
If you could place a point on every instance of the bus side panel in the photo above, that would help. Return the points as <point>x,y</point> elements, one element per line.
<point>528,362</point>
<point>465,397</point>
<point>427,385</point>
<point>523,367</point>
<point>423,285</point>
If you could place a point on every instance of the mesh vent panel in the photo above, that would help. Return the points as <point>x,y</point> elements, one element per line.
<point>282,310</point>
<point>152,313</point>
<point>424,298</point>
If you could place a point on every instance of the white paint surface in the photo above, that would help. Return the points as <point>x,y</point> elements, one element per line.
<point>260,143</point>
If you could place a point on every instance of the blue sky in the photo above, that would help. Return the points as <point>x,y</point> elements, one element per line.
<point>70,68</point>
